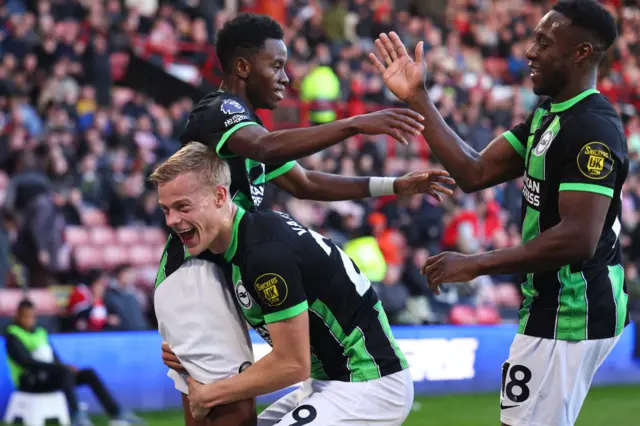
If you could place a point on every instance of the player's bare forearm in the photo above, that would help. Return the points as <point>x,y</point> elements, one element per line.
<point>574,239</point>
<point>310,185</point>
<point>457,157</point>
<point>285,145</point>
<point>472,171</point>
<point>269,374</point>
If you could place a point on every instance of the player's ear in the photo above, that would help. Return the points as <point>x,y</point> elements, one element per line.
<point>222,193</point>
<point>242,67</point>
<point>583,52</point>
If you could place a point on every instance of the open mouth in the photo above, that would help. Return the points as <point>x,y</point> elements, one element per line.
<point>534,70</point>
<point>279,94</point>
<point>187,235</point>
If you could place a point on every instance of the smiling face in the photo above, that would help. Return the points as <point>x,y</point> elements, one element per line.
<point>193,209</point>
<point>554,54</point>
<point>267,79</point>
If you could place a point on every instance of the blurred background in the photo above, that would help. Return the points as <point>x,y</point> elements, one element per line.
<point>94,93</point>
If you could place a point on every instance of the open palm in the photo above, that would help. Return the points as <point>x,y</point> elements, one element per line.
<point>401,74</point>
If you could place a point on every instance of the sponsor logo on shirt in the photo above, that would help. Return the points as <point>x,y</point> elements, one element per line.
<point>595,160</point>
<point>230,107</point>
<point>272,289</point>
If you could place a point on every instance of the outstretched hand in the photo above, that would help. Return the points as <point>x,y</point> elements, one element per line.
<point>401,74</point>
<point>424,182</point>
<point>398,123</point>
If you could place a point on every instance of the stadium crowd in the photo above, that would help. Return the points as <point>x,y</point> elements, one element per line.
<point>80,219</point>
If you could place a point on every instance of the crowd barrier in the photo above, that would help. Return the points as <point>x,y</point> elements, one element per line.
<point>443,359</point>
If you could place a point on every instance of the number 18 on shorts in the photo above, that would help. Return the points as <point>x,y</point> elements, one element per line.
<point>545,381</point>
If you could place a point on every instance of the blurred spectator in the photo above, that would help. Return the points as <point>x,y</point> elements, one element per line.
<point>35,367</point>
<point>125,301</point>
<point>86,305</point>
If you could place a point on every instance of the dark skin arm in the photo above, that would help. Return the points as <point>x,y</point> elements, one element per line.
<point>257,143</point>
<point>241,413</point>
<point>473,171</point>
<point>574,239</point>
<point>311,185</point>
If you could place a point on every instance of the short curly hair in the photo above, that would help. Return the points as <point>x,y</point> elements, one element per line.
<point>247,31</point>
<point>592,17</point>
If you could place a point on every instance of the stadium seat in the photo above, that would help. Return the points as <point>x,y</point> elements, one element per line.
<point>128,235</point>
<point>462,315</point>
<point>146,276</point>
<point>35,408</point>
<point>88,257</point>
<point>44,300</point>
<point>140,255</point>
<point>93,217</point>
<point>76,235</point>
<point>101,235</point>
<point>154,236</point>
<point>114,255</point>
<point>487,315</point>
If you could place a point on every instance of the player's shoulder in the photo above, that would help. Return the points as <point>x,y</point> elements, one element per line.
<point>595,119</point>
<point>269,234</point>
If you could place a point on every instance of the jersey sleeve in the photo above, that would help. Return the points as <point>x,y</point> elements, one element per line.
<point>518,135</point>
<point>594,155</point>
<point>274,171</point>
<point>217,122</point>
<point>272,272</point>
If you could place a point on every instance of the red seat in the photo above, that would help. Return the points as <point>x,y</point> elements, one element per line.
<point>128,235</point>
<point>154,236</point>
<point>487,315</point>
<point>146,276</point>
<point>93,217</point>
<point>101,235</point>
<point>157,251</point>
<point>44,300</point>
<point>88,257</point>
<point>76,235</point>
<point>114,255</point>
<point>140,255</point>
<point>461,314</point>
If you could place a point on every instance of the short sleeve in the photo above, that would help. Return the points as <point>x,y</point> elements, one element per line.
<point>214,120</point>
<point>272,272</point>
<point>518,135</point>
<point>274,171</point>
<point>594,155</point>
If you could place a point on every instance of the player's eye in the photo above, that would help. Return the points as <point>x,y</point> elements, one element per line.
<point>542,42</point>
<point>184,208</point>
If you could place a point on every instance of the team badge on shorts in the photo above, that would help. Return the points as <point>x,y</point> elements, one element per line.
<point>230,107</point>
<point>243,296</point>
<point>595,160</point>
<point>272,289</point>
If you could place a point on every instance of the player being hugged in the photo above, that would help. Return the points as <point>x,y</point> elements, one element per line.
<point>572,153</point>
<point>302,294</point>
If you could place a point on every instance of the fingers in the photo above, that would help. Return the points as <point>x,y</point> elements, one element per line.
<point>376,62</point>
<point>436,187</point>
<point>398,136</point>
<point>420,52</point>
<point>409,113</point>
<point>389,47</point>
<point>166,348</point>
<point>430,261</point>
<point>382,51</point>
<point>397,44</point>
<point>443,179</point>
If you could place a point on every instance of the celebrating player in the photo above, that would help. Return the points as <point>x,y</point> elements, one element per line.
<point>302,294</point>
<point>197,317</point>
<point>573,155</point>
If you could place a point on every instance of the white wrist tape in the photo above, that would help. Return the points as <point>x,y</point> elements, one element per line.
<point>379,186</point>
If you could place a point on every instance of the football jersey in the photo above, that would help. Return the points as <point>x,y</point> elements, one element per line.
<point>577,145</point>
<point>213,121</point>
<point>281,269</point>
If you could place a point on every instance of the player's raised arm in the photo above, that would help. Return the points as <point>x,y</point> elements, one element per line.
<point>594,161</point>
<point>257,143</point>
<point>273,279</point>
<point>501,161</point>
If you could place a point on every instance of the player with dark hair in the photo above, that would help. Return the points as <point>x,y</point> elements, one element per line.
<point>572,153</point>
<point>190,289</point>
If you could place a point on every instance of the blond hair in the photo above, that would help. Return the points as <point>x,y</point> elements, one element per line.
<point>193,157</point>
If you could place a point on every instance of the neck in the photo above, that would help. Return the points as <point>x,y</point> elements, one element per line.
<point>221,242</point>
<point>576,86</point>
<point>237,88</point>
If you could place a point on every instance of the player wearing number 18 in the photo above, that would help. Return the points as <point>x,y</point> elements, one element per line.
<point>306,298</point>
<point>572,153</point>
